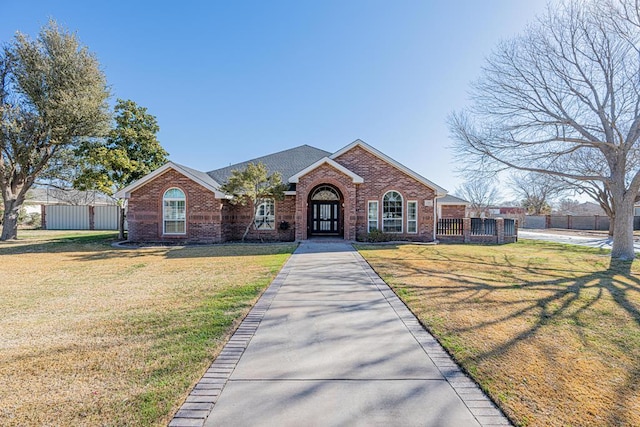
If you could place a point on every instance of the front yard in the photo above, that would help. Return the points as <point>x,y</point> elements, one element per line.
<point>93,335</point>
<point>551,331</point>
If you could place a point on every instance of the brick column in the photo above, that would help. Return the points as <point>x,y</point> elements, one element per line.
<point>500,230</point>
<point>466,230</point>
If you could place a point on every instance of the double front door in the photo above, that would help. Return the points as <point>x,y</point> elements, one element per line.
<point>325,218</point>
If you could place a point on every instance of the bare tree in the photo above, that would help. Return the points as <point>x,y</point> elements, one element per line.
<point>564,99</point>
<point>536,191</point>
<point>480,194</point>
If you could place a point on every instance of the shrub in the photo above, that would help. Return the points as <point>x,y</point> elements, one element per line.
<point>376,236</point>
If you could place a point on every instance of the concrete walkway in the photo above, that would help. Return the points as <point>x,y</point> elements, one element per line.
<point>329,344</point>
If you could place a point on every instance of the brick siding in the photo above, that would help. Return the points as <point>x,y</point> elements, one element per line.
<point>380,177</point>
<point>211,220</point>
<point>144,214</point>
<point>236,217</point>
<point>452,211</point>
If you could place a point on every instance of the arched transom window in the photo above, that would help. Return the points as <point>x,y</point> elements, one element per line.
<point>174,212</point>
<point>325,192</point>
<point>392,212</point>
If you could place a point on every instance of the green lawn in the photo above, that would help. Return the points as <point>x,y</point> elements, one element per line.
<point>551,332</point>
<point>96,335</point>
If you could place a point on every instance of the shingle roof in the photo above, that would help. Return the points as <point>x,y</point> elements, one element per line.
<point>201,175</point>
<point>287,162</point>
<point>450,199</point>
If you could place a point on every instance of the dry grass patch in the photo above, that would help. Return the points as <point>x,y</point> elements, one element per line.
<point>551,332</point>
<point>94,335</point>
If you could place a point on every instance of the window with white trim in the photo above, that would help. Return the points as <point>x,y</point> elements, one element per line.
<point>412,216</point>
<point>392,212</point>
<point>174,212</point>
<point>372,210</point>
<point>265,215</point>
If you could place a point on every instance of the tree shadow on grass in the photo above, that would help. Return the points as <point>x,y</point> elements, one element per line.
<point>538,300</point>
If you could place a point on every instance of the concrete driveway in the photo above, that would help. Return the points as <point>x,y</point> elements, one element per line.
<point>329,344</point>
<point>570,237</point>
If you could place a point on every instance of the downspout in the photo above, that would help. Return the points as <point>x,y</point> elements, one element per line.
<point>435,214</point>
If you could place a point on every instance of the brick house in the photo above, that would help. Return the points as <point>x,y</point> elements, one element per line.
<point>343,194</point>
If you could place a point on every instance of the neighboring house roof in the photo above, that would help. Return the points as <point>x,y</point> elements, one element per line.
<point>287,162</point>
<point>200,177</point>
<point>357,179</point>
<point>452,200</point>
<point>58,196</point>
<point>358,142</point>
<point>586,208</point>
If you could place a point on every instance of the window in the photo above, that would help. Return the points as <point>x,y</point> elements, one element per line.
<point>392,212</point>
<point>412,216</point>
<point>373,215</point>
<point>174,212</point>
<point>265,215</point>
<point>325,192</point>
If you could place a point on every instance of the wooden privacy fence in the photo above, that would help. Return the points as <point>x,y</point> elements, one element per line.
<point>573,222</point>
<point>67,217</point>
<point>478,230</point>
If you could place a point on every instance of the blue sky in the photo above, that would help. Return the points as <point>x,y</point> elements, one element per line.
<point>233,80</point>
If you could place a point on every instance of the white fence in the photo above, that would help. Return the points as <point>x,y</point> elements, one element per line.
<point>66,217</point>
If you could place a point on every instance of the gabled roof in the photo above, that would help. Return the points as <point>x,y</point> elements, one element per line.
<point>200,177</point>
<point>291,164</point>
<point>439,190</point>
<point>287,162</point>
<point>325,160</point>
<point>452,200</point>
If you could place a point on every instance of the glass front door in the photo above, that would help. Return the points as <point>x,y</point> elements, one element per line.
<point>325,217</point>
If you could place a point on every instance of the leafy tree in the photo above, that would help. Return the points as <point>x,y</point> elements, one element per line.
<point>536,191</point>
<point>252,186</point>
<point>130,151</point>
<point>563,99</point>
<point>52,94</point>
<point>480,194</point>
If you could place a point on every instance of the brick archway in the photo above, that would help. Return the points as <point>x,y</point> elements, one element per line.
<point>325,211</point>
<point>326,175</point>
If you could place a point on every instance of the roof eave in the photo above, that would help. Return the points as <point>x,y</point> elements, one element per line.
<point>355,178</point>
<point>213,186</point>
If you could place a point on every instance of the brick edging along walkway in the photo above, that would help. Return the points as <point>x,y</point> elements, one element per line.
<point>200,402</point>
<point>482,408</point>
<point>204,395</point>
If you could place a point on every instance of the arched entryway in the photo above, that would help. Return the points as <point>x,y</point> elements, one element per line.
<point>325,211</point>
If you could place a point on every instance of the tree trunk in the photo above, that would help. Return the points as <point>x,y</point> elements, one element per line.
<point>623,230</point>
<point>121,218</point>
<point>253,220</point>
<point>246,231</point>
<point>611,226</point>
<point>10,219</point>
